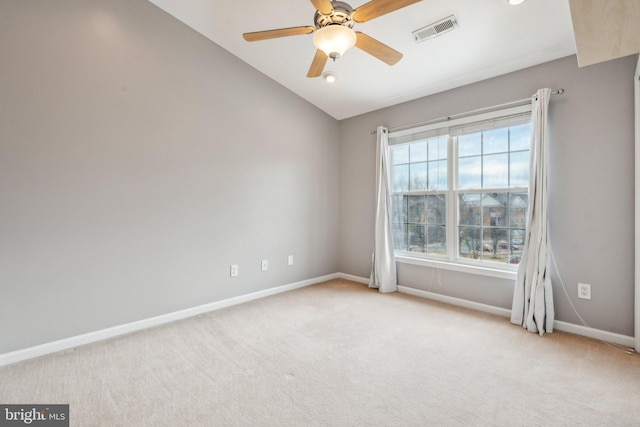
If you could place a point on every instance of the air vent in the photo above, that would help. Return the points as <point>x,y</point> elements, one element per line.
<point>437,28</point>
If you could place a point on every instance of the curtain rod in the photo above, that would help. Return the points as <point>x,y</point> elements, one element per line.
<point>468,113</point>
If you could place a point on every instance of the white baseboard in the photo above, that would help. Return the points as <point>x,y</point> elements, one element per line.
<point>76,341</point>
<point>598,334</point>
<point>456,301</point>
<point>352,278</point>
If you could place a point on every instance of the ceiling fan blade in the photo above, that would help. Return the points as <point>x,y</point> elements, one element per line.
<point>323,6</point>
<point>281,32</point>
<point>318,64</point>
<point>376,8</point>
<point>378,49</point>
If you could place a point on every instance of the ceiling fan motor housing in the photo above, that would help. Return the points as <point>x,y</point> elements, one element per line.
<point>340,15</point>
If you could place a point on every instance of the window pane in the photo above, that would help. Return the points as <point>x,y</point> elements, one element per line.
<point>418,152</point>
<point>495,247</point>
<point>519,169</point>
<point>494,209</point>
<point>502,247</point>
<point>399,219</point>
<point>495,141</point>
<point>400,237</point>
<point>438,148</point>
<point>495,170</point>
<point>417,211</point>
<point>518,204</point>
<point>470,210</point>
<point>399,154</point>
<point>517,243</point>
<point>470,242</point>
<point>436,240</point>
<point>469,145</point>
<point>438,175</point>
<point>495,239</point>
<point>470,172</point>
<point>436,210</point>
<point>491,225</point>
<point>401,178</point>
<point>399,208</point>
<point>416,238</point>
<point>418,176</point>
<point>520,137</point>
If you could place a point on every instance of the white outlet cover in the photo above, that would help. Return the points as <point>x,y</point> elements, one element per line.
<point>584,291</point>
<point>290,260</point>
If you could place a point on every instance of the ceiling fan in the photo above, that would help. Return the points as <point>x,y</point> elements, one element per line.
<point>334,34</point>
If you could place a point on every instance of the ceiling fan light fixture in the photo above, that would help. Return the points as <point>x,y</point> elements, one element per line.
<point>515,2</point>
<point>334,40</point>
<point>330,77</point>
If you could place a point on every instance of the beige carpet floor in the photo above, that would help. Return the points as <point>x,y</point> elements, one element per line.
<point>336,354</point>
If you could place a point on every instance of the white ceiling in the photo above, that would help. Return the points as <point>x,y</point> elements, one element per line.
<point>493,38</point>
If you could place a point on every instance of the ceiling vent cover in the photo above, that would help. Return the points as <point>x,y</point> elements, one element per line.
<point>437,28</point>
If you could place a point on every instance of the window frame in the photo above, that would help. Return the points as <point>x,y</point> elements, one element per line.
<point>499,118</point>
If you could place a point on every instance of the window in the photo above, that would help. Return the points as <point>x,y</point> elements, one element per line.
<point>460,189</point>
<point>419,206</point>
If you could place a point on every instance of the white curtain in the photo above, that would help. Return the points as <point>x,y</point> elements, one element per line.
<point>383,270</point>
<point>533,298</point>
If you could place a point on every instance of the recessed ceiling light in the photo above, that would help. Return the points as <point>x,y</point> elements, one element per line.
<point>515,2</point>
<point>329,77</point>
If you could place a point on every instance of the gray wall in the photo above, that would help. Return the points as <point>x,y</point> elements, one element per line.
<point>138,160</point>
<point>591,179</point>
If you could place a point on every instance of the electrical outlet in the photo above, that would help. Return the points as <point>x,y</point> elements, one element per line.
<point>265,265</point>
<point>584,291</point>
<point>290,260</point>
<point>234,270</point>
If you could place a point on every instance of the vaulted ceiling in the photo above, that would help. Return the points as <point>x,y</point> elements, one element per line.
<point>493,38</point>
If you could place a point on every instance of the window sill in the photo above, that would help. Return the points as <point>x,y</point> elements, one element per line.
<point>499,273</point>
